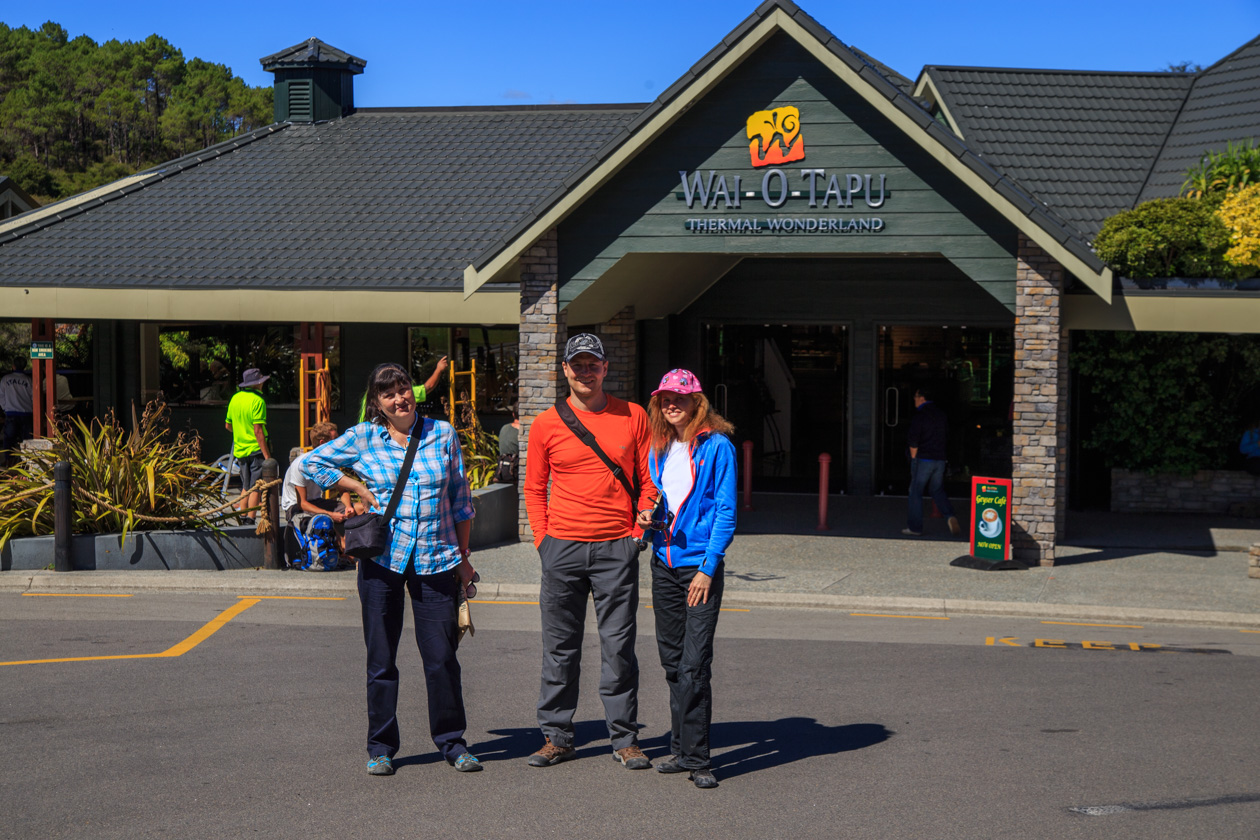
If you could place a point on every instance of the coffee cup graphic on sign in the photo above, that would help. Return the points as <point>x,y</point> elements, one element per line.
<point>990,523</point>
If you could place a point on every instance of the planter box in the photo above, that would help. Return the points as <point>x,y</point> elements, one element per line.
<point>495,522</point>
<point>1207,491</point>
<point>238,548</point>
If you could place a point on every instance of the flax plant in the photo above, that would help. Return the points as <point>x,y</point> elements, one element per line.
<point>145,472</point>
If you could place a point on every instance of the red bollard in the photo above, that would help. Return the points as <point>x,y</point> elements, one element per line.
<point>824,485</point>
<point>748,447</point>
<point>933,511</point>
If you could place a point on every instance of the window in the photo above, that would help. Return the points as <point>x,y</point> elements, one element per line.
<point>494,348</point>
<point>201,364</point>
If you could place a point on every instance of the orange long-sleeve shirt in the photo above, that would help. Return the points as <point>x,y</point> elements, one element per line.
<point>586,502</point>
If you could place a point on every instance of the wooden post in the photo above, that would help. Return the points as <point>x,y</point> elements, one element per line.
<point>43,381</point>
<point>273,556</point>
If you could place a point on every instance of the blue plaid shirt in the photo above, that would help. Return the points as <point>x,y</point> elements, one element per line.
<point>435,497</point>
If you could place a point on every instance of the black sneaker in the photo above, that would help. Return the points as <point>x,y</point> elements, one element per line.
<point>670,765</point>
<point>704,778</point>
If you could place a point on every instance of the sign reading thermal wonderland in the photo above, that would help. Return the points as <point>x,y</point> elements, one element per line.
<point>990,518</point>
<point>775,139</point>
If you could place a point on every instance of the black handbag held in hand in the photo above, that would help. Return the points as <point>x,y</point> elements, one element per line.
<point>367,534</point>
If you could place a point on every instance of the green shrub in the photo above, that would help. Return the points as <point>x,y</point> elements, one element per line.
<point>1220,173</point>
<point>145,471</point>
<point>1167,237</point>
<point>1167,402</point>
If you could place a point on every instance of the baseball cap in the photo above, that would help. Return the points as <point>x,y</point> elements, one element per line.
<point>584,343</point>
<point>680,381</point>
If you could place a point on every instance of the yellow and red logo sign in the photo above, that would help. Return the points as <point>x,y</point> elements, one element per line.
<point>775,136</point>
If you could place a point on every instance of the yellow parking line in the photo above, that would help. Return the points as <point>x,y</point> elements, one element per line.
<point>205,632</point>
<point>513,603</point>
<point>289,598</point>
<point>877,615</point>
<point>73,595</point>
<point>1249,631</point>
<point>1083,624</point>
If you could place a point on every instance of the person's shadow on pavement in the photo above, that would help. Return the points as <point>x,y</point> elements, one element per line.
<point>767,744</point>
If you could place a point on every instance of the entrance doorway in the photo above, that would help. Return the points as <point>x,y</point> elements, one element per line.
<point>786,388</point>
<point>971,372</point>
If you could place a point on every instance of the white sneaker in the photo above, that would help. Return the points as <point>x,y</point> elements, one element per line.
<point>910,533</point>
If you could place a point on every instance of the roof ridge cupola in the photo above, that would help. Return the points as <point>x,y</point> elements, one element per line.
<point>314,81</point>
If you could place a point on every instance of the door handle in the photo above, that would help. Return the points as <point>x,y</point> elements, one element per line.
<point>895,413</point>
<point>719,396</point>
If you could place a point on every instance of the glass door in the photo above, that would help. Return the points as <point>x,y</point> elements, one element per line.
<point>971,372</point>
<point>785,387</point>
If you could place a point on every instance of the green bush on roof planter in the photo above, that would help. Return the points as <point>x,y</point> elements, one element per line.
<point>1167,237</point>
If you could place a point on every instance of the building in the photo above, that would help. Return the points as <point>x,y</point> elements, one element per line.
<point>811,232</point>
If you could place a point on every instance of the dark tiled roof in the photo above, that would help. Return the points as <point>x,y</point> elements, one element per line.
<point>1082,142</point>
<point>378,200</point>
<point>312,52</point>
<point>1223,106</point>
<point>885,81</point>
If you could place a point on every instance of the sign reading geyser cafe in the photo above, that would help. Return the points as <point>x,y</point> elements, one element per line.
<point>775,140</point>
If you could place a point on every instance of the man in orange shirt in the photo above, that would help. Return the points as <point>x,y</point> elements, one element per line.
<point>584,535</point>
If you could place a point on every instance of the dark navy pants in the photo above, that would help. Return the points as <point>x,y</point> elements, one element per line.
<point>434,608</point>
<point>929,475</point>
<point>684,639</point>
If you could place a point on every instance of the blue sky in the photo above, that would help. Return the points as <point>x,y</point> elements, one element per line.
<point>493,52</point>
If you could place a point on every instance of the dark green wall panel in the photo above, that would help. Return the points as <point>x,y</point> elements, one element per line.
<point>926,209</point>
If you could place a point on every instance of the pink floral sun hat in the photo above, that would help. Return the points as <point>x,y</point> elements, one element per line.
<point>679,381</point>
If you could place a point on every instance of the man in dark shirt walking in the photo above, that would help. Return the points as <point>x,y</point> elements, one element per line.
<point>928,429</point>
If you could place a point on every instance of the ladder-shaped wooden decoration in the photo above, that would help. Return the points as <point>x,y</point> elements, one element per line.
<point>454,404</point>
<point>314,382</point>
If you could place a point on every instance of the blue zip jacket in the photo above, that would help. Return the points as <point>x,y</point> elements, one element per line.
<point>704,526</point>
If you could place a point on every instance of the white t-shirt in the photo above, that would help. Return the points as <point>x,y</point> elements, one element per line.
<point>676,475</point>
<point>293,479</point>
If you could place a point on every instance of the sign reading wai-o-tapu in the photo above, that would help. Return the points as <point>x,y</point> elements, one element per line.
<point>775,139</point>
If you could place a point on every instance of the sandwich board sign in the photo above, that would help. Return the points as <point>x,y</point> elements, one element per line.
<point>991,518</point>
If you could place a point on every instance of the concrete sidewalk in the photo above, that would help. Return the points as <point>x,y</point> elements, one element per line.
<point>1189,570</point>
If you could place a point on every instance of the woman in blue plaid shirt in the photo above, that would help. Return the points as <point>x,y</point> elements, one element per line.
<point>427,556</point>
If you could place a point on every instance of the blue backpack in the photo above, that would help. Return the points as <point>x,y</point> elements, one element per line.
<point>317,543</point>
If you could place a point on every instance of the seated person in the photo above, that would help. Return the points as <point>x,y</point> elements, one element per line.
<point>1249,446</point>
<point>301,498</point>
<point>509,448</point>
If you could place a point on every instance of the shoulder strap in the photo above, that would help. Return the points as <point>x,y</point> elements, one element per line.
<point>396,496</point>
<point>570,418</point>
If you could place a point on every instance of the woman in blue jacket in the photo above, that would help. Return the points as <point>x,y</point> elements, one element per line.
<point>693,464</point>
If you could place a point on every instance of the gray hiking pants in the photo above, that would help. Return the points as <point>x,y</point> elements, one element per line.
<point>571,572</point>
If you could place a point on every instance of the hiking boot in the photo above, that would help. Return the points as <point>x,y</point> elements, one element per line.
<point>632,757</point>
<point>551,754</point>
<point>704,778</point>
<point>954,527</point>
<point>380,765</point>
<point>670,765</point>
<point>466,763</point>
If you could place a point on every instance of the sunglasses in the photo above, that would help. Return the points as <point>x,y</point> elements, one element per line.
<point>470,591</point>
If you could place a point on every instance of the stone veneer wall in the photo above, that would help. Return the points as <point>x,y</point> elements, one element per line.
<point>542,337</point>
<point>1207,491</point>
<point>1253,566</point>
<point>620,338</point>
<point>1039,458</point>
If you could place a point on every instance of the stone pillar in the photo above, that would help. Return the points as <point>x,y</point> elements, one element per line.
<point>1039,458</point>
<point>542,335</point>
<point>620,338</point>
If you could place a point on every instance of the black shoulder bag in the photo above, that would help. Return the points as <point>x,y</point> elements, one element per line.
<point>367,535</point>
<point>570,418</point>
